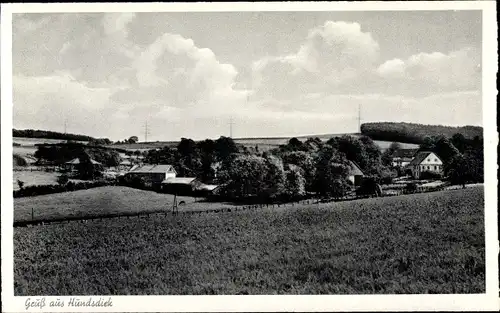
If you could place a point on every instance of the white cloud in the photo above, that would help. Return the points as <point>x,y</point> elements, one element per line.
<point>457,69</point>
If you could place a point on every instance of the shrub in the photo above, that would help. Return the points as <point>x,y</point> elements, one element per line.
<point>63,179</point>
<point>411,187</point>
<point>20,184</point>
<point>369,186</point>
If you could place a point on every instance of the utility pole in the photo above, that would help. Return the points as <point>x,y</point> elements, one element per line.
<point>146,131</point>
<point>359,117</point>
<point>65,124</point>
<point>231,128</point>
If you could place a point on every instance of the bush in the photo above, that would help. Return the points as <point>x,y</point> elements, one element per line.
<point>63,179</point>
<point>369,186</point>
<point>410,188</point>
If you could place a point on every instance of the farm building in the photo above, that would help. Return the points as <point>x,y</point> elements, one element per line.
<point>426,161</point>
<point>403,157</point>
<point>152,174</point>
<point>355,174</point>
<point>180,185</point>
<point>73,164</point>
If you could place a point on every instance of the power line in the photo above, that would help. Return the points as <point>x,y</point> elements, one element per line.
<point>146,131</point>
<point>231,128</point>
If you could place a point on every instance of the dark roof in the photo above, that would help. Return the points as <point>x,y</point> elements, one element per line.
<point>160,168</point>
<point>355,169</point>
<point>419,157</point>
<point>404,153</point>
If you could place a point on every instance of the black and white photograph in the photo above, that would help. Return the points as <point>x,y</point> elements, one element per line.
<point>248,152</point>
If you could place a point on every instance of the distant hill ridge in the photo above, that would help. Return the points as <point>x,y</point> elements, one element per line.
<point>415,133</point>
<point>46,134</point>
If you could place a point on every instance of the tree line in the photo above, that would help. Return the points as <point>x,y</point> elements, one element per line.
<point>291,170</point>
<point>415,133</point>
<point>36,133</point>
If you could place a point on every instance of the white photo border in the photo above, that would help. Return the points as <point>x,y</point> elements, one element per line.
<point>474,302</point>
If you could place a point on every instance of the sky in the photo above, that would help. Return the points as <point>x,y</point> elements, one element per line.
<point>271,73</point>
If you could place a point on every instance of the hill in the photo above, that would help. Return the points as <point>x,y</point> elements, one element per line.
<point>415,133</point>
<point>353,247</point>
<point>36,133</point>
<point>263,143</point>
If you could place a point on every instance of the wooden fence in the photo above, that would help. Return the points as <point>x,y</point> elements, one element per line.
<point>127,215</point>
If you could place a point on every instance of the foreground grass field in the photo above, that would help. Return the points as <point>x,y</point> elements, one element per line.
<point>102,200</point>
<point>422,243</point>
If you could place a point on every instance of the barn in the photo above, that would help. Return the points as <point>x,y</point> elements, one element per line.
<point>185,186</point>
<point>152,174</point>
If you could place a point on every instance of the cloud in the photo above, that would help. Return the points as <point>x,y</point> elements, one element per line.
<point>457,70</point>
<point>332,55</point>
<point>86,67</point>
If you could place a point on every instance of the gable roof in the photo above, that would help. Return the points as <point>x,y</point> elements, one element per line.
<point>160,168</point>
<point>77,161</point>
<point>420,157</point>
<point>404,153</point>
<point>179,180</point>
<point>354,169</point>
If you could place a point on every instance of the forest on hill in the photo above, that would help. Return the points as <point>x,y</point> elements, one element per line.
<point>46,134</point>
<point>416,133</point>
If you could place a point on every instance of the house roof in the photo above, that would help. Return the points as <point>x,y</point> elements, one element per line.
<point>355,170</point>
<point>160,168</point>
<point>404,153</point>
<point>419,157</point>
<point>125,162</point>
<point>77,161</point>
<point>179,180</point>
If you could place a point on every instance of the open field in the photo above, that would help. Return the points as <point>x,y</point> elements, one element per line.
<point>101,200</point>
<point>422,243</point>
<point>264,144</point>
<point>34,178</point>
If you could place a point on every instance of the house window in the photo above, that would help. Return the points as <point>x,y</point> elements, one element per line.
<point>435,160</point>
<point>435,167</point>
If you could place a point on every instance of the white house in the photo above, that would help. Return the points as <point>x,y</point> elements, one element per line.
<point>426,161</point>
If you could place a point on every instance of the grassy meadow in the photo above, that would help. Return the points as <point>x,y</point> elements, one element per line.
<point>102,200</point>
<point>421,243</point>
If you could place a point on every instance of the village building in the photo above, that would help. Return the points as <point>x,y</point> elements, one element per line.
<point>355,175</point>
<point>75,163</point>
<point>152,174</point>
<point>180,185</point>
<point>426,161</point>
<point>402,157</point>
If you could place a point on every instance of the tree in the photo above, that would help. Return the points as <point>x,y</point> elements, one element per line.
<point>20,183</point>
<point>305,162</point>
<point>245,176</point>
<point>225,148</point>
<point>332,168</point>
<point>274,179</point>
<point>295,182</point>
<point>386,157</point>
<point>133,139</point>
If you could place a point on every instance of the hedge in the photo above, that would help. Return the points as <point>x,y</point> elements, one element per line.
<point>38,190</point>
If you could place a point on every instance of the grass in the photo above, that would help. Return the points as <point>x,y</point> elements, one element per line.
<point>101,200</point>
<point>422,243</point>
<point>34,178</point>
